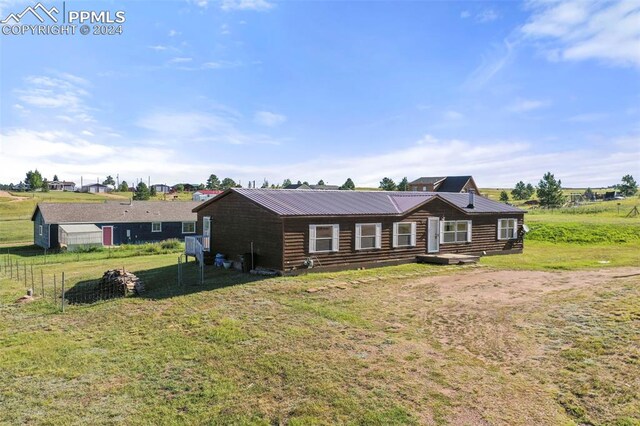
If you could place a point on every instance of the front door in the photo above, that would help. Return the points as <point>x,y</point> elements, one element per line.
<point>107,235</point>
<point>433,235</point>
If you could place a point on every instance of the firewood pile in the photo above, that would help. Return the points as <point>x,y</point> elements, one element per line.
<point>120,282</point>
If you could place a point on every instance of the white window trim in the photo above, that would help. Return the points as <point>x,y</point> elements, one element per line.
<point>40,230</point>
<point>190,232</point>
<point>335,243</point>
<point>395,235</point>
<point>206,233</point>
<point>514,234</point>
<point>442,232</point>
<point>159,230</point>
<point>378,236</point>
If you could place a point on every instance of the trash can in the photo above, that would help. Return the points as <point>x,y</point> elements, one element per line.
<point>219,259</point>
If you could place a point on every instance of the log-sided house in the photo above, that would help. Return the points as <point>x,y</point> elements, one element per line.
<point>289,230</point>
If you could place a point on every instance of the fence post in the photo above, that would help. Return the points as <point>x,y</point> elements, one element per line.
<point>32,276</point>
<point>63,292</point>
<point>24,267</point>
<point>42,282</point>
<point>55,288</point>
<point>17,272</point>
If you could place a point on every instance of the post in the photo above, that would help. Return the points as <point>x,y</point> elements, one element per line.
<point>32,276</point>
<point>24,266</point>
<point>55,288</point>
<point>63,292</point>
<point>17,271</point>
<point>42,282</point>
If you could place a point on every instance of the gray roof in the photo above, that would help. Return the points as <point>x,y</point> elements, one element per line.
<point>116,212</point>
<point>309,202</point>
<point>427,180</point>
<point>80,229</point>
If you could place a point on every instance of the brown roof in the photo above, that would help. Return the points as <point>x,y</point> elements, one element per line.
<point>308,202</point>
<point>116,212</point>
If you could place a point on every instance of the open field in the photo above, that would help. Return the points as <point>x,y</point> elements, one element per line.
<point>413,344</point>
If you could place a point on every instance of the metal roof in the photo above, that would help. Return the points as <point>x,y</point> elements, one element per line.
<point>116,212</point>
<point>453,184</point>
<point>309,202</point>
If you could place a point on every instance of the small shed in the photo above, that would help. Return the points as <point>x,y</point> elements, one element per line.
<point>79,236</point>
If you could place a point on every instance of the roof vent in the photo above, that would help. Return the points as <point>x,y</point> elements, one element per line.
<point>471,199</point>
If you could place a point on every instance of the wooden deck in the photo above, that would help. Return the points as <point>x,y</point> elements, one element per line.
<point>447,259</point>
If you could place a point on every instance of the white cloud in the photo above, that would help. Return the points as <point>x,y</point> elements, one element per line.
<point>158,48</point>
<point>256,5</point>
<point>487,15</point>
<point>465,14</point>
<point>453,115</point>
<point>173,33</point>
<point>526,105</point>
<point>580,30</point>
<point>180,60</point>
<point>587,117</point>
<point>201,127</point>
<point>499,56</point>
<point>225,29</point>
<point>269,119</point>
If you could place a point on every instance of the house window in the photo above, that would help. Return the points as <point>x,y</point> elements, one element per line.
<point>40,230</point>
<point>156,226</point>
<point>404,234</point>
<point>323,238</point>
<point>455,231</point>
<point>188,227</point>
<point>507,229</point>
<point>424,188</point>
<point>368,236</point>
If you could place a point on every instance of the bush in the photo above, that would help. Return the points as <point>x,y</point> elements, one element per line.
<point>170,244</point>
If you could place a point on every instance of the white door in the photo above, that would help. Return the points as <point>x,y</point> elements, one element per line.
<point>433,237</point>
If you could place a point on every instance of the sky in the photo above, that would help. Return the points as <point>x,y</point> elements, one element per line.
<point>310,90</point>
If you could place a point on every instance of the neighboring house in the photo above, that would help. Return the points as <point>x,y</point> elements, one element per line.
<point>186,187</point>
<point>161,188</point>
<point>117,223</point>
<point>95,188</point>
<point>287,229</point>
<point>303,186</point>
<point>444,184</point>
<point>62,186</point>
<point>205,194</point>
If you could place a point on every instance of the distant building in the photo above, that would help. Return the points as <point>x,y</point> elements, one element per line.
<point>205,194</point>
<point>304,186</point>
<point>161,188</point>
<point>444,184</point>
<point>62,186</point>
<point>95,188</point>
<point>186,187</point>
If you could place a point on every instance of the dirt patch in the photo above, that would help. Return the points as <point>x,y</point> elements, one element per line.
<point>5,194</point>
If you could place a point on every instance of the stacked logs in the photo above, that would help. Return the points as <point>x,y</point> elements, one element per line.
<point>120,282</point>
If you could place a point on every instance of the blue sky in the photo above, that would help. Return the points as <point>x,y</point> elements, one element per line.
<point>253,89</point>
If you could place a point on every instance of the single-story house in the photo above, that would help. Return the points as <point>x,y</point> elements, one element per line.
<point>305,186</point>
<point>161,188</point>
<point>205,194</point>
<point>289,230</point>
<point>444,184</point>
<point>116,223</point>
<point>95,188</point>
<point>62,186</point>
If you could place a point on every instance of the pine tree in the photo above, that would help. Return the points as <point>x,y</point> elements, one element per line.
<point>142,192</point>
<point>387,184</point>
<point>550,191</point>
<point>348,184</point>
<point>213,182</point>
<point>109,181</point>
<point>124,186</point>
<point>321,182</point>
<point>55,178</point>
<point>286,183</point>
<point>504,197</point>
<point>403,185</point>
<point>227,183</point>
<point>153,192</point>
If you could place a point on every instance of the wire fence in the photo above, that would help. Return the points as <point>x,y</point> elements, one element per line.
<point>71,287</point>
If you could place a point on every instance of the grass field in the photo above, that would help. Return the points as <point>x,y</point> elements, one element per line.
<point>550,336</point>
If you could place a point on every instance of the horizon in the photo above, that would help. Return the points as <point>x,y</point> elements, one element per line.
<point>255,89</point>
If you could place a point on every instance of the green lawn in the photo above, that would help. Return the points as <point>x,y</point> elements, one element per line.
<point>413,344</point>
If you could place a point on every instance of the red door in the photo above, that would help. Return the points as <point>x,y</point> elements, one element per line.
<point>107,235</point>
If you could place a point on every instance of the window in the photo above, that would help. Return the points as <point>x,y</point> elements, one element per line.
<point>206,233</point>
<point>368,236</point>
<point>404,234</point>
<point>188,227</point>
<point>507,229</point>
<point>455,231</point>
<point>323,238</point>
<point>40,230</point>
<point>156,226</point>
